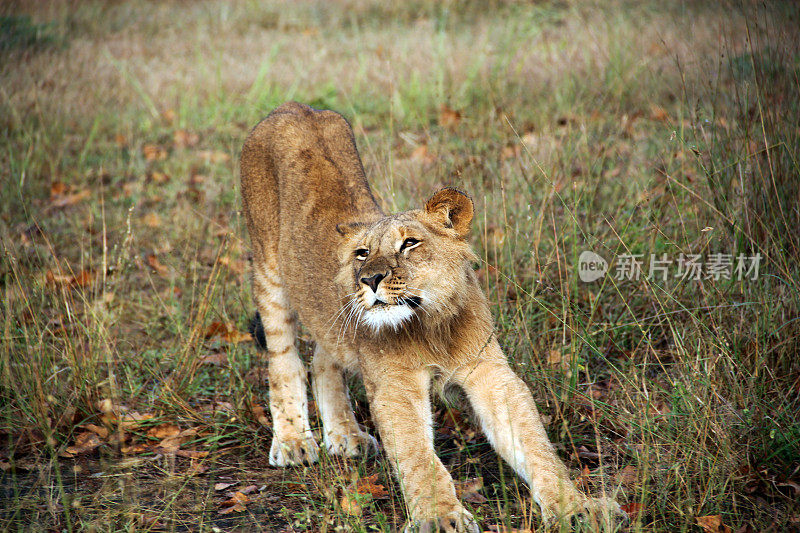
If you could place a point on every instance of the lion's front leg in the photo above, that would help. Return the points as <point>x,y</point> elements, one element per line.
<point>400,405</point>
<point>511,421</point>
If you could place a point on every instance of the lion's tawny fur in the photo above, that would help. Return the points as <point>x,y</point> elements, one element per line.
<point>392,297</point>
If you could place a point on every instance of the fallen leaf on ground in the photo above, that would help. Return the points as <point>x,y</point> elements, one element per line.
<point>632,509</point>
<point>163,431</point>
<point>173,443</point>
<point>196,468</point>
<point>152,220</point>
<point>83,278</point>
<point>350,505</point>
<point>158,177</point>
<point>133,420</point>
<point>236,498</point>
<point>227,332</point>
<point>422,155</point>
<point>712,524</point>
<point>97,430</point>
<point>135,448</point>
<point>156,265</point>
<point>510,152</point>
<point>467,490</point>
<point>84,443</point>
<point>448,117</point>
<point>658,113</point>
<point>191,454</point>
<point>223,486</point>
<point>184,139</point>
<point>499,528</point>
<point>554,357</point>
<point>259,414</point>
<point>213,156</point>
<point>57,188</point>
<point>369,485</point>
<point>66,200</point>
<point>154,152</point>
<point>216,359</point>
<point>628,475</point>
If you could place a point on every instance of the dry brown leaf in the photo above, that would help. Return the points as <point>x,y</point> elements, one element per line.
<point>237,267</point>
<point>216,359</point>
<point>133,420</point>
<point>260,415</point>
<point>449,117</point>
<point>100,431</point>
<point>184,139</point>
<point>499,528</point>
<point>658,113</point>
<point>369,485</point>
<point>158,177</point>
<point>168,115</point>
<point>156,265</point>
<point>163,431</point>
<point>510,152</point>
<point>66,200</point>
<point>135,448</point>
<point>196,467</point>
<point>223,486</point>
<point>152,220</point>
<point>422,155</point>
<point>712,524</point>
<point>213,156</point>
<point>154,152</point>
<point>84,443</point>
<point>628,475</point>
<point>350,505</point>
<point>236,508</point>
<point>632,509</point>
<point>173,443</point>
<point>249,489</point>
<point>554,357</point>
<point>227,332</point>
<point>191,454</point>
<point>467,490</point>
<point>57,188</point>
<point>83,278</point>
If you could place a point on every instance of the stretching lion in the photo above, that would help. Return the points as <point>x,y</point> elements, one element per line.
<point>392,297</point>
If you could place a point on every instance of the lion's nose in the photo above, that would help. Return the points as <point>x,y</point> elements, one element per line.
<point>372,281</point>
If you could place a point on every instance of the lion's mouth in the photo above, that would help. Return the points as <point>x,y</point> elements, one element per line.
<point>412,301</point>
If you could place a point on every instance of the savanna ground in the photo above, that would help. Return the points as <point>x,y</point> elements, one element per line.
<point>130,395</point>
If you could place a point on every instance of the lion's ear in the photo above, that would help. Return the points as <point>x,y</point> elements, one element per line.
<point>453,208</point>
<point>348,229</point>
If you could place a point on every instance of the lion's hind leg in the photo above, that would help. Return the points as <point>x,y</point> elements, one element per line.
<point>292,442</point>
<point>341,433</point>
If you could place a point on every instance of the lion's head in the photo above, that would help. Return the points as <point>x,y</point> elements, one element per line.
<point>412,264</point>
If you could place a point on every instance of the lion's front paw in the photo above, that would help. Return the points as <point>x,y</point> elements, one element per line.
<point>460,521</point>
<point>595,513</point>
<point>288,452</point>
<point>350,444</point>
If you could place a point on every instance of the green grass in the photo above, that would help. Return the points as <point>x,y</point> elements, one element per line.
<point>618,127</point>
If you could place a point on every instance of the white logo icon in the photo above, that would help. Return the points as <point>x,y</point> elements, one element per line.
<point>591,266</point>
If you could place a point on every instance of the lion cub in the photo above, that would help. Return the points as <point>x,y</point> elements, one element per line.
<point>392,297</point>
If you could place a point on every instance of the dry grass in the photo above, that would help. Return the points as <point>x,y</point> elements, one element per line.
<point>620,127</point>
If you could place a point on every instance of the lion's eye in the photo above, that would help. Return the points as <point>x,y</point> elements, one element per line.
<point>409,243</point>
<point>361,254</point>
